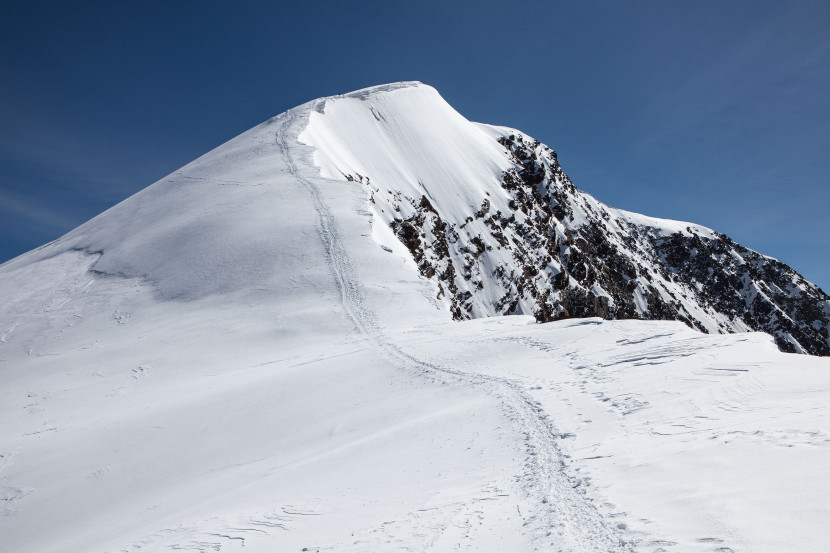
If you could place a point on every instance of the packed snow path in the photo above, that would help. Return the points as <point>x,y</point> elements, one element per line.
<point>564,518</point>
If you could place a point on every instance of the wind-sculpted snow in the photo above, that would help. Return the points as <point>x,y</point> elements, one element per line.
<point>490,216</point>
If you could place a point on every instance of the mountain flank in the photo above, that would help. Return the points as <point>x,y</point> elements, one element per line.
<point>502,230</point>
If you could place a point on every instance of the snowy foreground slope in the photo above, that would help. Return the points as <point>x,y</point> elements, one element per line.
<point>245,356</point>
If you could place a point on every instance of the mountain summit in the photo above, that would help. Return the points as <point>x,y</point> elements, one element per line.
<point>258,353</point>
<point>486,212</point>
<point>489,215</point>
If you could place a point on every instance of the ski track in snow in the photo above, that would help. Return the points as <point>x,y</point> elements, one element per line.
<point>566,519</point>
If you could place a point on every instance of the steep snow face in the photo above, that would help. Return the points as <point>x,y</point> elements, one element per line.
<point>489,215</point>
<point>410,141</point>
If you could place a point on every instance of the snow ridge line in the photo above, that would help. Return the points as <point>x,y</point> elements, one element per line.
<point>565,518</point>
<point>335,252</point>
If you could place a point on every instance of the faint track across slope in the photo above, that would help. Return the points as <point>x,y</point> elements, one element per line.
<point>565,519</point>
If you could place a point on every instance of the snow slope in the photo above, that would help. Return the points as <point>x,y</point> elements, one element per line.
<point>244,356</point>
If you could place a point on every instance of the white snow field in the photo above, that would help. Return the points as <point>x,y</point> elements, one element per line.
<point>243,357</point>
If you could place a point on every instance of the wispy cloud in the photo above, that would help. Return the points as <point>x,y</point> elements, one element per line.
<point>35,212</point>
<point>47,150</point>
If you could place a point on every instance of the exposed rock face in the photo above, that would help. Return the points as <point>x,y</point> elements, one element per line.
<point>556,252</point>
<point>762,292</point>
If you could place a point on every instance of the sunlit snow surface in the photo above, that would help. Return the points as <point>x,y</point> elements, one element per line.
<point>242,357</point>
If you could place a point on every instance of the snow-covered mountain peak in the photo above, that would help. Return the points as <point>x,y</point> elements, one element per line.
<point>489,215</point>
<point>256,353</point>
<point>409,140</point>
<point>486,213</point>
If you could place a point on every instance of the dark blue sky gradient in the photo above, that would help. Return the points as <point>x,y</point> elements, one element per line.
<point>711,112</point>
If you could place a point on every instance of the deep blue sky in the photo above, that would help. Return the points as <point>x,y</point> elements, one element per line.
<point>712,112</point>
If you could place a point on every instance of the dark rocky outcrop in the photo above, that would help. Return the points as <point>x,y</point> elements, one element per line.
<point>555,252</point>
